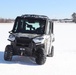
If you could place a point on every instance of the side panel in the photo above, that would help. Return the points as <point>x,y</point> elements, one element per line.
<point>49,37</point>
<point>47,44</point>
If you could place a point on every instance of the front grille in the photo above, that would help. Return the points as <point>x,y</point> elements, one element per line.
<point>23,41</point>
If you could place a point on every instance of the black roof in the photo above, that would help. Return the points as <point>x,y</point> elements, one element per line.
<point>35,16</point>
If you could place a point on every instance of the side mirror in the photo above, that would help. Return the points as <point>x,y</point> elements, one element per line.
<point>10,32</point>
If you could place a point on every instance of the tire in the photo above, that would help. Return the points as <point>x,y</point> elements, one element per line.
<point>40,56</point>
<point>8,53</point>
<point>52,52</point>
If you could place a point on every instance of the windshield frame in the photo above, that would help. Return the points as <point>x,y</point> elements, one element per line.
<point>38,19</point>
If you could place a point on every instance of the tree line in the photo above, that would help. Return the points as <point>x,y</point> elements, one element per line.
<point>3,20</point>
<point>73,19</point>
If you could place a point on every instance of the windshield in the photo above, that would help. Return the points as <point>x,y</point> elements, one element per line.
<point>29,25</point>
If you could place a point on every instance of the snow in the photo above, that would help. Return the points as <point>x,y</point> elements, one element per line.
<point>63,62</point>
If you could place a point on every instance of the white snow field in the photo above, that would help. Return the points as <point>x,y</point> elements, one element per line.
<point>63,62</point>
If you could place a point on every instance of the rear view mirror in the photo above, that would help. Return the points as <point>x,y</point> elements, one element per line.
<point>31,21</point>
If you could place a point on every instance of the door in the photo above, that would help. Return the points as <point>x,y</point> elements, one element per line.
<point>49,37</point>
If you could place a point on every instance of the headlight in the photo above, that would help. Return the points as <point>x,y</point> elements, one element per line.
<point>39,40</point>
<point>11,38</point>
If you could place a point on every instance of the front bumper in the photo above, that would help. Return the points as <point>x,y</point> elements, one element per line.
<point>25,47</point>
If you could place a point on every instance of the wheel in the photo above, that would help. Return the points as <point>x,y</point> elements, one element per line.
<point>40,56</point>
<point>52,52</point>
<point>8,53</point>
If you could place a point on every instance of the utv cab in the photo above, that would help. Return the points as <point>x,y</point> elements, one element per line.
<point>32,35</point>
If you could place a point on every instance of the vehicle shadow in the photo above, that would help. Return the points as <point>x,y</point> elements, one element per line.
<point>18,60</point>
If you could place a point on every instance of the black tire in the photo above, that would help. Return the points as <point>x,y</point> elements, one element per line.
<point>40,56</point>
<point>8,53</point>
<point>52,52</point>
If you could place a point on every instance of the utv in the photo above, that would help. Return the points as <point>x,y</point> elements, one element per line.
<point>32,35</point>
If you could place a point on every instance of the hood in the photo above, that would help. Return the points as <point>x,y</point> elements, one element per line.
<point>25,35</point>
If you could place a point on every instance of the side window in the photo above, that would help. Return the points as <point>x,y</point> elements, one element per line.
<point>52,27</point>
<point>48,28</point>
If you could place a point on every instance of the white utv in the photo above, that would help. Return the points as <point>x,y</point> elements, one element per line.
<point>32,35</point>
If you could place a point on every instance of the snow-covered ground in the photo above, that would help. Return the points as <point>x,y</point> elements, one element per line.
<point>63,62</point>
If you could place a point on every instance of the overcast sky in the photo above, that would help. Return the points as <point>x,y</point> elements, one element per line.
<point>51,8</point>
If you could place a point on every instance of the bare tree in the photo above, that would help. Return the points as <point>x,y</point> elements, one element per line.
<point>74,17</point>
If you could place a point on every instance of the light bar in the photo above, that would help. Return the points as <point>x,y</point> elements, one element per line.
<point>35,16</point>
